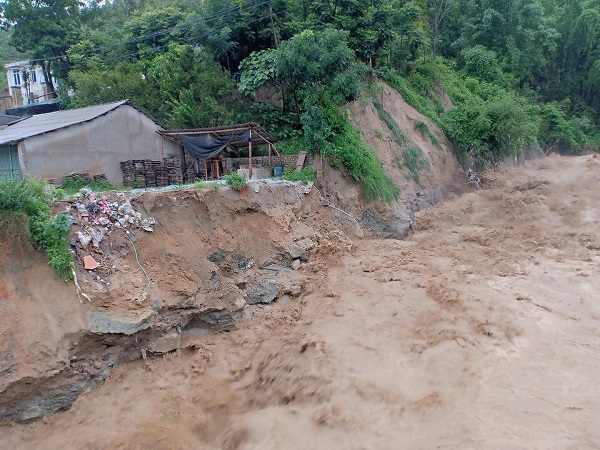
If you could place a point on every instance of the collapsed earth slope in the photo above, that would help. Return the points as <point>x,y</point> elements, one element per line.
<point>481,330</point>
<point>212,253</point>
<point>439,178</point>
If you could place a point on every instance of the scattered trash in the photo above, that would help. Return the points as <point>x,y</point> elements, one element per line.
<point>473,179</point>
<point>94,210</point>
<point>97,234</point>
<point>245,264</point>
<point>84,238</point>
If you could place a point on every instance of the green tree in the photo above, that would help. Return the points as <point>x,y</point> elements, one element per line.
<point>44,29</point>
<point>194,89</point>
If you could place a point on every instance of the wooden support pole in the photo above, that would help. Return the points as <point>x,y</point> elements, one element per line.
<point>250,156</point>
<point>270,162</point>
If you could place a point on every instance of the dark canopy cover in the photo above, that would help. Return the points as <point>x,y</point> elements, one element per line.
<point>205,146</point>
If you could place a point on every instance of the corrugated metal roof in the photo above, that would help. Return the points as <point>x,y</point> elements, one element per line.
<point>44,123</point>
<point>226,128</point>
<point>259,137</point>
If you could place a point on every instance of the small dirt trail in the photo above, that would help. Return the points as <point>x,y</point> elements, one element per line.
<point>482,330</point>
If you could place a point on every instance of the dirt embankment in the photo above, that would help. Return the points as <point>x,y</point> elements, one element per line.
<point>444,179</point>
<point>213,257</point>
<point>481,330</point>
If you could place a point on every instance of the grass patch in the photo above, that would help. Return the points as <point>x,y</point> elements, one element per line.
<point>305,174</point>
<point>362,163</point>
<point>413,161</point>
<point>236,181</point>
<point>410,95</point>
<point>72,186</point>
<point>29,202</point>
<point>424,128</point>
<point>398,135</point>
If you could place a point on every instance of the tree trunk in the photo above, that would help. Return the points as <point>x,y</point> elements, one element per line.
<point>49,83</point>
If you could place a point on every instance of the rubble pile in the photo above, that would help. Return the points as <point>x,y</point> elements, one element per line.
<point>95,216</point>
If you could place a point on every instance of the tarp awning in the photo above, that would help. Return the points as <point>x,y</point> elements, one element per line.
<point>206,146</point>
<point>205,143</point>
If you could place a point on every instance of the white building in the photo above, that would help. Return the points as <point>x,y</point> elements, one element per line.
<point>26,84</point>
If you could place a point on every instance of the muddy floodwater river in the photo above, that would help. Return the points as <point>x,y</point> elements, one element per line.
<point>481,330</point>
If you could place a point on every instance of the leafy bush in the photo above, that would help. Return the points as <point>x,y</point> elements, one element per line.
<point>487,132</point>
<point>291,146</point>
<point>236,181</point>
<point>424,128</point>
<point>559,131</point>
<point>30,200</point>
<point>305,174</point>
<point>479,62</point>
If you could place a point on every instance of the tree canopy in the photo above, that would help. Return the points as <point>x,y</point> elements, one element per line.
<point>178,58</point>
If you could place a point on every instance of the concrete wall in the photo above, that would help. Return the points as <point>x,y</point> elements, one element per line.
<point>287,161</point>
<point>96,146</point>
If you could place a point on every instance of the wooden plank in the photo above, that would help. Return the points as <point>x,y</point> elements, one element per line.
<point>250,156</point>
<point>300,161</point>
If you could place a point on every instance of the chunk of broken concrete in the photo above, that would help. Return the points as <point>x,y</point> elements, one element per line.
<point>166,343</point>
<point>262,294</point>
<point>296,264</point>
<point>90,263</point>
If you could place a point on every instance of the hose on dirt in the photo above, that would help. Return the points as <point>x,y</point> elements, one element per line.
<point>139,264</point>
<point>335,207</point>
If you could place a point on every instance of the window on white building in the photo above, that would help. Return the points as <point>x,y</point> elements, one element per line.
<point>17,78</point>
<point>32,77</point>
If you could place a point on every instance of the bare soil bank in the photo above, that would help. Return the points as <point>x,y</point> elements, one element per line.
<point>479,331</point>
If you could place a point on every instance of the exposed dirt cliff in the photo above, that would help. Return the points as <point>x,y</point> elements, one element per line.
<point>442,179</point>
<point>212,253</point>
<point>480,330</point>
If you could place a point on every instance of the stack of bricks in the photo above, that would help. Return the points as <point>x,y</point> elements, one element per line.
<point>162,176</point>
<point>150,169</point>
<point>101,177</point>
<point>149,173</point>
<point>128,173</point>
<point>174,170</point>
<point>79,176</point>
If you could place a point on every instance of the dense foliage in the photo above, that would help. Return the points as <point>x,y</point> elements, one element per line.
<point>28,202</point>
<point>518,72</point>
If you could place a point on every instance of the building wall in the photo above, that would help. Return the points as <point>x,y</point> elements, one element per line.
<point>18,91</point>
<point>9,163</point>
<point>97,146</point>
<point>287,161</point>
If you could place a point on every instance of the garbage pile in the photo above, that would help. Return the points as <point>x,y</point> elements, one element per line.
<point>473,179</point>
<point>97,217</point>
